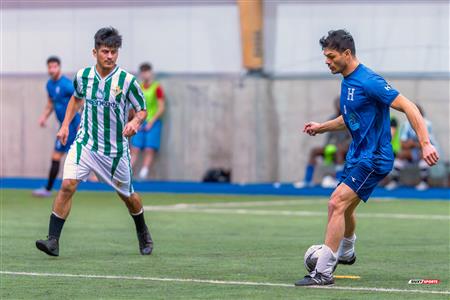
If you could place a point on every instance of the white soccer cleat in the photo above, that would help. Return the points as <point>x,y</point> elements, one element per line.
<point>301,184</point>
<point>422,186</point>
<point>391,185</point>
<point>329,182</point>
<point>143,173</point>
<point>42,193</point>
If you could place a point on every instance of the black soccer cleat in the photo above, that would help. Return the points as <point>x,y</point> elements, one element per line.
<point>350,261</point>
<point>145,242</point>
<point>49,246</point>
<point>318,279</point>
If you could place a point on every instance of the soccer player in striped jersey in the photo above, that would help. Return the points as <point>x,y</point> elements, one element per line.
<point>106,92</point>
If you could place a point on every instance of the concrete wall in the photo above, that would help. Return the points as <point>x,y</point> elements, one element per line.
<point>176,38</point>
<point>183,37</point>
<point>251,125</point>
<point>393,36</point>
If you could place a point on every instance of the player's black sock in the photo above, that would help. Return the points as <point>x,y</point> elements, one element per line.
<point>396,174</point>
<point>55,226</point>
<point>424,174</point>
<point>139,221</point>
<point>54,169</point>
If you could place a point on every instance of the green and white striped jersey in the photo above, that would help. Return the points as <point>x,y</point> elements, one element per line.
<point>106,105</point>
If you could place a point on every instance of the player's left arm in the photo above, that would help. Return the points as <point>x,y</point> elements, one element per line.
<point>136,98</point>
<point>403,104</point>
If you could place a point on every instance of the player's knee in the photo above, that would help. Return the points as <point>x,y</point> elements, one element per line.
<point>135,198</point>
<point>68,187</point>
<point>56,156</point>
<point>337,203</point>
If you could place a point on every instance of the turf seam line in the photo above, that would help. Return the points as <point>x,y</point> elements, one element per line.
<point>220,282</point>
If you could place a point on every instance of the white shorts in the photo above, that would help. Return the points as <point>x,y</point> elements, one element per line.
<point>114,171</point>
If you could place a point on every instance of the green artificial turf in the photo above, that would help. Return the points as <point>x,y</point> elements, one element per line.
<point>99,239</point>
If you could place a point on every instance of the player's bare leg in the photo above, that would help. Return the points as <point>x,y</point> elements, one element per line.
<point>346,252</point>
<point>60,211</point>
<point>63,201</point>
<point>133,202</point>
<point>134,205</point>
<point>350,220</point>
<point>149,155</point>
<point>342,199</point>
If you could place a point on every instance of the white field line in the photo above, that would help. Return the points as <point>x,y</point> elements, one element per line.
<point>258,212</point>
<point>219,282</point>
<point>247,203</point>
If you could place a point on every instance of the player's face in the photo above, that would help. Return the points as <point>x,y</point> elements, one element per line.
<point>106,57</point>
<point>54,69</point>
<point>336,61</point>
<point>146,76</point>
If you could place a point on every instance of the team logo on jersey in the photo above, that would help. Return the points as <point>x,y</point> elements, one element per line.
<point>104,103</point>
<point>117,91</point>
<point>350,94</point>
<point>353,122</point>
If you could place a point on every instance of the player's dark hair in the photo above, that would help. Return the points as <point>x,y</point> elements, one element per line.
<point>339,40</point>
<point>145,67</point>
<point>108,37</point>
<point>54,59</point>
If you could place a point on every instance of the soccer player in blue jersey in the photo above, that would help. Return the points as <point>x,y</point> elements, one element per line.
<point>59,89</point>
<point>365,102</point>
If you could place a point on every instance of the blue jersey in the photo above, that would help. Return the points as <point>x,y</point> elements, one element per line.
<point>59,92</point>
<point>365,101</point>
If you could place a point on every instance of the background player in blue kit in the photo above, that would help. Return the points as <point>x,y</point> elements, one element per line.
<point>365,102</point>
<point>59,89</point>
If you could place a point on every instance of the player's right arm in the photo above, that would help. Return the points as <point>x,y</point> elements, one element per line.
<point>72,108</point>
<point>313,128</point>
<point>46,113</point>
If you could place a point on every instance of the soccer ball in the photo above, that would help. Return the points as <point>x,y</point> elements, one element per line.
<point>311,256</point>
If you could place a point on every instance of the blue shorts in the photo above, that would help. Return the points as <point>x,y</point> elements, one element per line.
<point>60,147</point>
<point>148,139</point>
<point>363,178</point>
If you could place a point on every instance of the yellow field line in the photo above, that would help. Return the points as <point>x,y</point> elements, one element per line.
<point>347,277</point>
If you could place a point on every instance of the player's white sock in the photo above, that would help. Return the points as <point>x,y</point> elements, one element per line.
<point>143,173</point>
<point>347,247</point>
<point>326,261</point>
